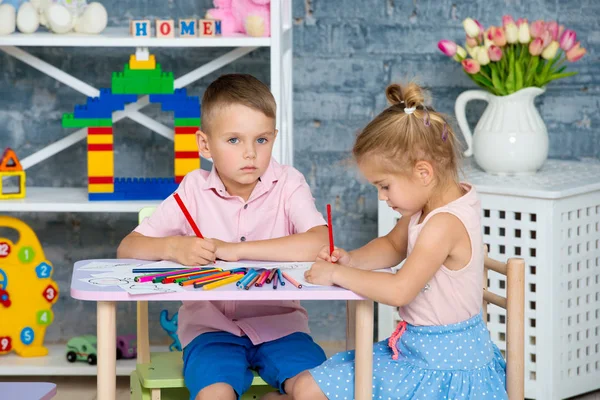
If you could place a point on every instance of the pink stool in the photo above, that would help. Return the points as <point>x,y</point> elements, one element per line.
<point>27,390</point>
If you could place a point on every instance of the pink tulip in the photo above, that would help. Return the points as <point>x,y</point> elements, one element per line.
<point>552,27</point>
<point>574,54</point>
<point>471,42</point>
<point>522,21</point>
<point>507,19</point>
<point>567,40</point>
<point>536,47</point>
<point>448,47</point>
<point>537,28</point>
<point>499,37</point>
<point>561,29</point>
<point>495,53</point>
<point>471,66</point>
<point>546,38</point>
<point>479,25</point>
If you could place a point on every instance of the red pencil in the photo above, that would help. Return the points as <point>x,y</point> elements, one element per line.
<point>330,229</point>
<point>188,216</point>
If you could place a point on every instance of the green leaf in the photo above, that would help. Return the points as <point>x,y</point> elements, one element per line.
<point>510,79</point>
<point>518,76</point>
<point>497,82</point>
<point>531,69</point>
<point>559,76</point>
<point>561,69</point>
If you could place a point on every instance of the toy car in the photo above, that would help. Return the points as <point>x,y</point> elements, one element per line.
<point>82,348</point>
<point>126,346</point>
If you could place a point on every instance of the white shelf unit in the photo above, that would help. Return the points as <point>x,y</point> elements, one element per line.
<point>41,199</point>
<point>280,45</point>
<point>56,364</point>
<point>552,220</point>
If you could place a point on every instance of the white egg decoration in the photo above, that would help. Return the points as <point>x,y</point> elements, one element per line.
<point>8,17</point>
<point>27,18</point>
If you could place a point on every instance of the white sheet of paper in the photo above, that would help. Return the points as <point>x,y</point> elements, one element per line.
<point>106,266</point>
<point>151,288</point>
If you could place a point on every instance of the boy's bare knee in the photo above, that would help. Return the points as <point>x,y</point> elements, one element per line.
<point>305,388</point>
<point>217,391</point>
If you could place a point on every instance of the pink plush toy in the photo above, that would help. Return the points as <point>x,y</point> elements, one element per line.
<point>251,17</point>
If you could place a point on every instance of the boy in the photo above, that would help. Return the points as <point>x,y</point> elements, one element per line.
<point>248,207</point>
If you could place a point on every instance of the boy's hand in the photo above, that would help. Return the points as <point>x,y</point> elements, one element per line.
<point>190,250</point>
<point>339,256</point>
<point>226,251</point>
<point>321,273</point>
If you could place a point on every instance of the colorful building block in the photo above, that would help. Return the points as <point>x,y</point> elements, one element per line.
<point>138,77</point>
<point>188,28</point>
<point>11,166</point>
<point>140,28</point>
<point>10,161</point>
<point>135,64</point>
<point>207,27</point>
<point>165,28</point>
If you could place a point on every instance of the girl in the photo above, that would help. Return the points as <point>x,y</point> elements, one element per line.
<point>442,348</point>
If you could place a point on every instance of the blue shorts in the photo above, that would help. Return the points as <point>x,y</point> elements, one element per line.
<point>220,357</point>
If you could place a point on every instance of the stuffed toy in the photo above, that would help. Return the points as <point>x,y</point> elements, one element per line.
<point>59,16</point>
<point>250,17</point>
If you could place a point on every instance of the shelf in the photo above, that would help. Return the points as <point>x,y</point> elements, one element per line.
<point>55,364</point>
<point>120,37</point>
<point>40,199</point>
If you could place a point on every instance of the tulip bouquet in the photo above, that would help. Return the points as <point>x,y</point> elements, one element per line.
<point>515,55</point>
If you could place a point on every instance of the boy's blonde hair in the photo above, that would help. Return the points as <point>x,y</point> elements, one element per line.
<point>407,132</point>
<point>241,89</point>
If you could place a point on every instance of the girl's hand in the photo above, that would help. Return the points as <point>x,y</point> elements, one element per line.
<point>226,251</point>
<point>321,273</point>
<point>339,256</point>
<point>190,250</point>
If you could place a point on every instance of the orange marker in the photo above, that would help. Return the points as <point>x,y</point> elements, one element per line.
<point>222,282</point>
<point>173,278</point>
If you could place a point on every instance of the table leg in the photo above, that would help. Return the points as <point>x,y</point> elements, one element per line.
<point>143,340</point>
<point>107,350</point>
<point>364,350</point>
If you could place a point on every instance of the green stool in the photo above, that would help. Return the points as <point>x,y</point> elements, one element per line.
<point>163,378</point>
<point>159,376</point>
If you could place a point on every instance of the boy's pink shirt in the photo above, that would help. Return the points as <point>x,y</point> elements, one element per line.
<point>280,205</point>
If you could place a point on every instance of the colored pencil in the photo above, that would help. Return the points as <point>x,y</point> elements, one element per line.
<point>271,274</point>
<point>147,278</point>
<point>222,282</point>
<point>211,280</point>
<point>292,280</point>
<point>173,278</point>
<point>203,279</point>
<point>275,279</point>
<point>252,282</point>
<point>281,282</point>
<point>188,216</point>
<point>249,275</point>
<point>153,270</point>
<point>330,229</point>
<point>195,276</point>
<point>263,277</point>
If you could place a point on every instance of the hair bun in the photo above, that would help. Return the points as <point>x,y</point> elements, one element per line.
<point>411,96</point>
<point>394,94</point>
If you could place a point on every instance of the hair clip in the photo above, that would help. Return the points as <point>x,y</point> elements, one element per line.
<point>445,132</point>
<point>426,119</point>
<point>409,110</point>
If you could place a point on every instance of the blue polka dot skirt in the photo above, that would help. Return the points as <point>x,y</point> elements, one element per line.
<point>457,361</point>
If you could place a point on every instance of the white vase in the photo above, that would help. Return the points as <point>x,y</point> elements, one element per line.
<point>510,137</point>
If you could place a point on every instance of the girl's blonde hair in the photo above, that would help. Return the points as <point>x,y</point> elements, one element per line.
<point>407,132</point>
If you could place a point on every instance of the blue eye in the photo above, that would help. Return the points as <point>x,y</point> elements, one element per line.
<point>262,140</point>
<point>233,140</point>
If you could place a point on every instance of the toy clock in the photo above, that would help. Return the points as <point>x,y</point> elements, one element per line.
<point>27,291</point>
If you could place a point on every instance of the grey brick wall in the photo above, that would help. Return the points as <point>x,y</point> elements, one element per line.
<point>346,52</point>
